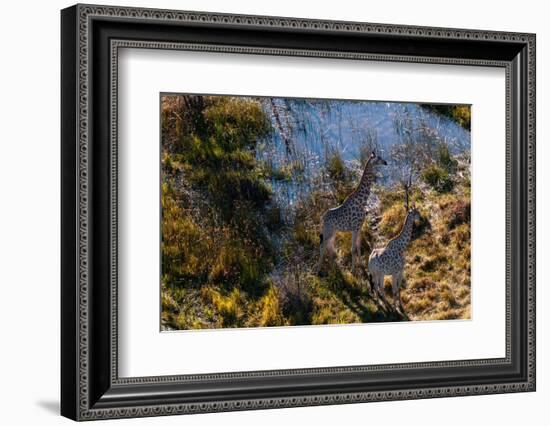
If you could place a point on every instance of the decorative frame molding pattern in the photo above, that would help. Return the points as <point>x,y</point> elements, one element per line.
<point>118,44</point>
<point>91,388</point>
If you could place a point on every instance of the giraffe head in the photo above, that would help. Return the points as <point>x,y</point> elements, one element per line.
<point>376,160</point>
<point>413,213</point>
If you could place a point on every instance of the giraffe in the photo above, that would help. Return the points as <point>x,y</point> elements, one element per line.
<point>350,215</point>
<point>390,260</point>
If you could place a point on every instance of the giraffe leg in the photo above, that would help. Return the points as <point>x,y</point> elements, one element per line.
<point>331,250</point>
<point>377,284</point>
<point>354,249</point>
<point>376,280</point>
<point>330,246</point>
<point>322,251</point>
<point>327,247</point>
<point>322,248</point>
<point>396,281</point>
<point>358,246</point>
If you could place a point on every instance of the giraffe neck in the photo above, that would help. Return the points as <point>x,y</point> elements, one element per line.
<point>367,178</point>
<point>404,237</point>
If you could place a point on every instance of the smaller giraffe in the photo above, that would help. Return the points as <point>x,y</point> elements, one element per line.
<point>350,215</point>
<point>390,260</point>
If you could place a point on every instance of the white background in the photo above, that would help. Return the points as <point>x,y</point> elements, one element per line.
<point>140,343</point>
<point>29,225</point>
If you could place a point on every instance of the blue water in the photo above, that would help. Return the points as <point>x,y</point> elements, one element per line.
<point>307,132</point>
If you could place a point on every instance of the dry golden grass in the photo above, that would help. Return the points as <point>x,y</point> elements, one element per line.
<point>437,274</point>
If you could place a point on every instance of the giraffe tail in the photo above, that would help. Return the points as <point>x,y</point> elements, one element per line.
<point>320,238</point>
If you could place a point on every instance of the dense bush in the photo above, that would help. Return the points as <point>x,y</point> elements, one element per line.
<point>438,178</point>
<point>214,233</point>
<point>445,159</point>
<point>340,177</point>
<point>460,113</point>
<point>216,150</point>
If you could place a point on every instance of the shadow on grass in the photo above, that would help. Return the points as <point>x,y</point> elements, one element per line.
<point>357,296</point>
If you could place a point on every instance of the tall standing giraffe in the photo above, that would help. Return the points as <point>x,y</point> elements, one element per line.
<point>390,260</point>
<point>350,215</point>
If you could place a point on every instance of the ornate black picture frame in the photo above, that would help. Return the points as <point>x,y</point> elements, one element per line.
<point>91,388</point>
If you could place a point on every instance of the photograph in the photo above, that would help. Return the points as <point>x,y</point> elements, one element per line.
<point>271,208</point>
<point>282,211</point>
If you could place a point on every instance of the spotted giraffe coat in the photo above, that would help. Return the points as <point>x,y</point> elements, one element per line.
<point>390,260</point>
<point>350,215</point>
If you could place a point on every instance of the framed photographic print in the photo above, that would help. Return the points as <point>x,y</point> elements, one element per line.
<point>263,212</point>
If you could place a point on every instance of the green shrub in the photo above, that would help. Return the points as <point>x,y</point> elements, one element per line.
<point>341,178</point>
<point>215,147</point>
<point>445,159</point>
<point>460,113</point>
<point>336,168</point>
<point>438,178</point>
